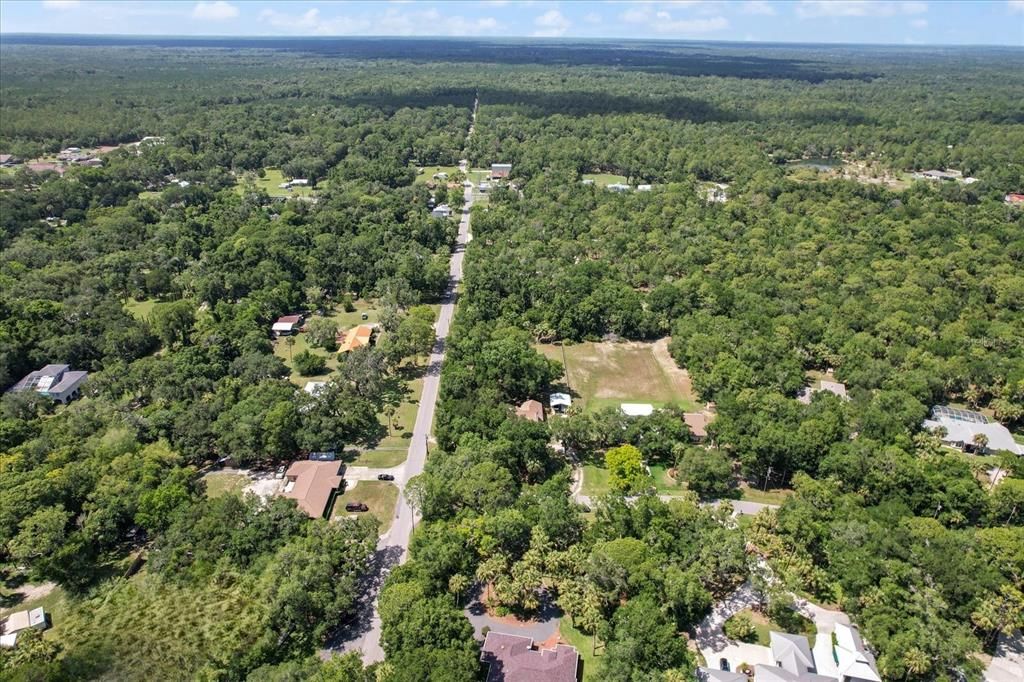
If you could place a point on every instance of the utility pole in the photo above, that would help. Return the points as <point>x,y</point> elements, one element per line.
<point>766,477</point>
<point>938,508</point>
<point>1013,512</point>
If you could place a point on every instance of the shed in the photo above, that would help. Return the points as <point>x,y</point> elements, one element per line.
<point>287,325</point>
<point>637,409</point>
<point>500,170</point>
<point>560,402</point>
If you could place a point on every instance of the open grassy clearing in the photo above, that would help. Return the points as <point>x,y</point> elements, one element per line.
<point>663,482</point>
<point>428,173</point>
<point>605,179</point>
<point>269,183</point>
<point>220,483</point>
<point>584,643</point>
<point>380,496</point>
<point>771,496</point>
<point>607,374</point>
<point>595,480</point>
<point>343,320</point>
<point>140,310</point>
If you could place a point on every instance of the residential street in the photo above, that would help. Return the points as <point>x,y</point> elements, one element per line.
<point>393,548</point>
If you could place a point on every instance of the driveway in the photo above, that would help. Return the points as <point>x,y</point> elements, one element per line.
<point>711,639</point>
<point>1008,663</point>
<point>539,629</point>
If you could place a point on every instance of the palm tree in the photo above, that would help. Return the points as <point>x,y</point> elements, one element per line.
<point>457,585</point>
<point>980,442</point>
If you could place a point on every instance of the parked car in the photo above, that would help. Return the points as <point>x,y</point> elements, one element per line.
<point>356,507</point>
<point>280,472</point>
<point>385,477</point>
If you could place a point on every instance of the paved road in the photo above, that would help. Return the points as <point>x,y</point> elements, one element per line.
<point>1008,663</point>
<point>393,548</point>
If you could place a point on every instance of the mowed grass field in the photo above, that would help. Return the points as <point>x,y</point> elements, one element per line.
<point>605,179</point>
<point>430,171</point>
<point>380,496</point>
<point>607,374</point>
<point>223,482</point>
<point>269,183</point>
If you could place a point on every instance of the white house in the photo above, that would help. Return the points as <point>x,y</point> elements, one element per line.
<point>840,658</point>
<point>963,429</point>
<point>442,211</point>
<point>314,388</point>
<point>644,188</point>
<point>58,382</point>
<point>618,187</point>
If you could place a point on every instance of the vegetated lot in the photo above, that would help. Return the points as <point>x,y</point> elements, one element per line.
<point>270,183</point>
<point>380,496</point>
<point>140,310</point>
<point>606,374</point>
<point>590,655</point>
<point>770,496</point>
<point>595,480</point>
<point>430,171</point>
<point>665,484</point>
<point>223,482</point>
<point>605,179</point>
<point>299,342</point>
<point>763,625</point>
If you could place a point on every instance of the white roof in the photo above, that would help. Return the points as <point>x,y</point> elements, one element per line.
<point>560,399</point>
<point>958,431</point>
<point>282,326</point>
<point>637,409</point>
<point>314,387</point>
<point>643,188</point>
<point>792,651</point>
<point>855,661</point>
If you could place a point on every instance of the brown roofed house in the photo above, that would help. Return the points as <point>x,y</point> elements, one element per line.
<point>533,410</point>
<point>287,325</point>
<point>513,658</point>
<point>698,422</point>
<point>357,337</point>
<point>313,485</point>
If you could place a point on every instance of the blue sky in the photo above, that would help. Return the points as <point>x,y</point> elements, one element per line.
<point>998,22</point>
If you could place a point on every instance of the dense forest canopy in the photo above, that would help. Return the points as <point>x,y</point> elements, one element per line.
<point>910,291</point>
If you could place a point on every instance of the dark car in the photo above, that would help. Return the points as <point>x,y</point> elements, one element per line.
<point>356,507</point>
<point>385,477</point>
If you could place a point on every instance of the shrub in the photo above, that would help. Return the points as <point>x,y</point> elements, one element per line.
<point>307,364</point>
<point>741,627</point>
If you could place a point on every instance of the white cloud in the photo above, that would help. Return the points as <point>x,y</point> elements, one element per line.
<point>61,4</point>
<point>1015,5</point>
<point>667,25</point>
<point>919,23</point>
<point>809,9</point>
<point>551,24</point>
<point>759,7</point>
<point>214,11</point>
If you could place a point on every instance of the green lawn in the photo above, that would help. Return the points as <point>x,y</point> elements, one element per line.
<point>771,496</point>
<point>269,183</point>
<point>764,625</point>
<point>605,179</point>
<point>595,480</point>
<point>608,374</point>
<point>380,458</point>
<point>584,644</point>
<point>140,310</point>
<point>221,483</point>
<point>380,496</point>
<point>429,171</point>
<point>664,484</point>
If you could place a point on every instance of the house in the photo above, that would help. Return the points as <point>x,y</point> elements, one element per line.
<point>313,485</point>
<point>91,162</point>
<point>484,186</point>
<point>440,176</point>
<point>500,170</point>
<point>287,325</point>
<point>835,387</point>
<point>587,181</point>
<point>1013,198</point>
<point>59,382</point>
<point>971,431</point>
<point>644,188</point>
<point>531,410</point>
<point>698,422</point>
<point>839,658</point>
<point>637,409</point>
<point>618,187</point>
<point>442,211</point>
<point>18,621</point>
<point>514,658</point>
<point>299,182</point>
<point>314,388</point>
<point>357,337</point>
<point>559,402</point>
<point>948,176</point>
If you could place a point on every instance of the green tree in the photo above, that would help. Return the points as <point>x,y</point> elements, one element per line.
<point>626,471</point>
<point>173,321</point>
<point>309,364</point>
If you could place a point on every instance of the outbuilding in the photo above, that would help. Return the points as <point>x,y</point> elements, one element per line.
<point>287,325</point>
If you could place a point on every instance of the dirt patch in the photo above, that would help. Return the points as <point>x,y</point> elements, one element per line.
<point>679,376</point>
<point>28,593</point>
<point>265,487</point>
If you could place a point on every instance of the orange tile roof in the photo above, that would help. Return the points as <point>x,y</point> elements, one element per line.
<point>357,337</point>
